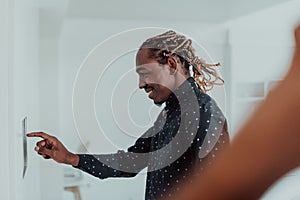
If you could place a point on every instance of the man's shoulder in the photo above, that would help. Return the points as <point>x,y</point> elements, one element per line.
<point>202,97</point>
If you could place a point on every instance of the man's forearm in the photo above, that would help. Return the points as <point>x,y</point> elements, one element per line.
<point>72,159</point>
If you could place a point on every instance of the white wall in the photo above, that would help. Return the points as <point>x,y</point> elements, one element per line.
<point>24,97</point>
<point>19,75</point>
<point>260,48</point>
<point>28,90</point>
<point>51,173</point>
<point>4,63</point>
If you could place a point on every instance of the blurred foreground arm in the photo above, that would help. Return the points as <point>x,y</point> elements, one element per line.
<point>267,147</point>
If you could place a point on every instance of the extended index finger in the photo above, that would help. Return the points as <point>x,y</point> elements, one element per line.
<point>39,134</point>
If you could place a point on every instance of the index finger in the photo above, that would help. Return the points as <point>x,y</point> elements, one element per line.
<point>39,134</point>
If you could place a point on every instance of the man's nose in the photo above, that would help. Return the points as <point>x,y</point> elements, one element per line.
<point>142,83</point>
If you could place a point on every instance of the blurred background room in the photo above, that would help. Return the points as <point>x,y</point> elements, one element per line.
<point>45,49</point>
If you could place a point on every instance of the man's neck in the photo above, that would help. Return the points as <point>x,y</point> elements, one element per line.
<point>181,79</point>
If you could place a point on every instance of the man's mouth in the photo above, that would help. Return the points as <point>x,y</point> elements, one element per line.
<point>148,89</point>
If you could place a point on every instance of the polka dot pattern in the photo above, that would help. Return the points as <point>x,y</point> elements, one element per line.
<point>211,137</point>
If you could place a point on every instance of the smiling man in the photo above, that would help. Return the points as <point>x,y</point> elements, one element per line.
<point>187,135</point>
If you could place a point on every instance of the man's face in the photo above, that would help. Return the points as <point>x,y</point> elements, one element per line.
<point>154,78</point>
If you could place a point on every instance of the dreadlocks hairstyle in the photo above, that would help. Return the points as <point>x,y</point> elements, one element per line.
<point>161,47</point>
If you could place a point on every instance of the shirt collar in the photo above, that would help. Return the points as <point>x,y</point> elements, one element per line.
<point>181,93</point>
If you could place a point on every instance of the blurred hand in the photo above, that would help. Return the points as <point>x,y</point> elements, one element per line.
<point>51,148</point>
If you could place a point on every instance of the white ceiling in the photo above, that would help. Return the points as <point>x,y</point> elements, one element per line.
<point>195,10</point>
<point>53,13</point>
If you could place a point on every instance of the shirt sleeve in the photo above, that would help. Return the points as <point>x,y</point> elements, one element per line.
<point>120,164</point>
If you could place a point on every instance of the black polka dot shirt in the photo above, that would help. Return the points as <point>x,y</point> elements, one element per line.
<point>185,138</point>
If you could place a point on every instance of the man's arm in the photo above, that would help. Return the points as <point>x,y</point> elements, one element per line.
<point>120,164</point>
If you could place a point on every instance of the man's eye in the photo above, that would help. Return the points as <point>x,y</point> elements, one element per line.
<point>144,75</point>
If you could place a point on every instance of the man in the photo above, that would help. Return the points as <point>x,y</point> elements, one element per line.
<point>188,133</point>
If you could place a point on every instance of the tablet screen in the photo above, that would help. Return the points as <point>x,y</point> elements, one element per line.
<point>24,131</point>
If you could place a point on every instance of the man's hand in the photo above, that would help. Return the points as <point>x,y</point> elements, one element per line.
<point>51,147</point>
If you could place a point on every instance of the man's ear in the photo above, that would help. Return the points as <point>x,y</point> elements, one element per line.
<point>172,64</point>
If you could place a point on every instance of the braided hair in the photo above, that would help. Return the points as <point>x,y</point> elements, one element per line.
<point>161,47</point>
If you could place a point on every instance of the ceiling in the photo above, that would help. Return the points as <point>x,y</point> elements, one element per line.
<point>195,10</point>
<point>54,12</point>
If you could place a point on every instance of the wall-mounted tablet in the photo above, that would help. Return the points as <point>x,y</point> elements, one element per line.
<point>25,156</point>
